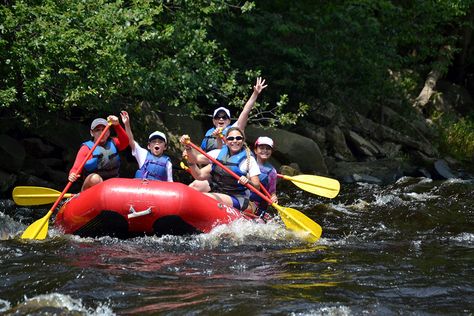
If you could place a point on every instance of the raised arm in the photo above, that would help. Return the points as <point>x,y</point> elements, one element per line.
<point>126,122</point>
<point>244,115</point>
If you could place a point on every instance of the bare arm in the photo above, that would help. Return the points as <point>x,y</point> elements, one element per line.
<point>191,155</point>
<point>203,173</point>
<point>126,122</point>
<point>253,181</point>
<point>244,115</point>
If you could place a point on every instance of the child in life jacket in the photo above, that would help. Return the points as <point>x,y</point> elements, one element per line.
<point>214,137</point>
<point>152,163</point>
<point>105,160</point>
<point>268,175</point>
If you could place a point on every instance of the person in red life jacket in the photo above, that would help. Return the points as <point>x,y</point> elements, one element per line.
<point>152,163</point>
<point>263,150</point>
<point>237,157</point>
<point>105,160</point>
<point>214,137</point>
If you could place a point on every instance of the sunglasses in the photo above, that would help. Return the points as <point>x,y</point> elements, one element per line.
<point>231,138</point>
<point>224,117</point>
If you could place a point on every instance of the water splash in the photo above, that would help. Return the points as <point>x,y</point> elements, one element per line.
<point>58,304</point>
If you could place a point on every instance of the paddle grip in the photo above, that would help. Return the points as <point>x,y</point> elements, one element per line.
<point>249,186</point>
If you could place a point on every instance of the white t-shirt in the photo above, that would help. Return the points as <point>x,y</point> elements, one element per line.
<point>254,168</point>
<point>140,155</point>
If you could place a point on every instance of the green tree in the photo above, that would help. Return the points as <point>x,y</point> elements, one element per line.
<point>72,56</point>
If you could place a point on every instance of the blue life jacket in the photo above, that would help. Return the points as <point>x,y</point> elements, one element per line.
<point>221,180</point>
<point>265,171</point>
<point>105,160</point>
<point>154,168</point>
<point>209,142</point>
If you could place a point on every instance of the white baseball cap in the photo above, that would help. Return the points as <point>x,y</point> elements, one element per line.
<point>157,134</point>
<point>221,109</point>
<point>97,122</point>
<point>264,140</point>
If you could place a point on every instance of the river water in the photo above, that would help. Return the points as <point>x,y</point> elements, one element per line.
<point>403,249</point>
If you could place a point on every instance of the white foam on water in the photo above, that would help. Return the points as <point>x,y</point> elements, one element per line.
<point>241,232</point>
<point>455,180</point>
<point>420,196</point>
<point>59,301</point>
<point>344,209</point>
<point>466,239</point>
<point>381,200</point>
<point>327,311</point>
<point>238,233</point>
<point>406,179</point>
<point>369,186</point>
<point>9,228</point>
<point>4,305</point>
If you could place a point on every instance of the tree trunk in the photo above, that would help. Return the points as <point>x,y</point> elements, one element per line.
<point>439,69</point>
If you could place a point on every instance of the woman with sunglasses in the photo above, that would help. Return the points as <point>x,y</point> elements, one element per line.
<point>236,156</point>
<point>221,119</point>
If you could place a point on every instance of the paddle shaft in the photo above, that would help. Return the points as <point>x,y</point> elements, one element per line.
<point>68,185</point>
<point>262,187</point>
<point>249,186</point>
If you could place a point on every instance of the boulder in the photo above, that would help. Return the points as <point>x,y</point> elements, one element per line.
<point>7,180</point>
<point>12,154</point>
<point>452,98</point>
<point>366,178</point>
<point>337,142</point>
<point>291,147</point>
<point>442,168</point>
<point>361,145</point>
<point>382,171</point>
<point>35,147</point>
<point>66,134</point>
<point>366,127</point>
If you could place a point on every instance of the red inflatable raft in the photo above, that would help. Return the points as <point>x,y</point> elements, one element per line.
<point>132,207</point>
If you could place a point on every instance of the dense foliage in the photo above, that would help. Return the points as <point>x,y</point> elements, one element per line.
<point>457,136</point>
<point>61,55</point>
<point>76,56</point>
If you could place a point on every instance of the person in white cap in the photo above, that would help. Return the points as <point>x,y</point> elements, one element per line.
<point>153,164</point>
<point>105,160</point>
<point>214,137</point>
<point>263,150</point>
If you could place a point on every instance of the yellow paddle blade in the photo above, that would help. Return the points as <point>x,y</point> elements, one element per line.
<point>318,185</point>
<point>29,195</point>
<point>300,223</point>
<point>39,229</point>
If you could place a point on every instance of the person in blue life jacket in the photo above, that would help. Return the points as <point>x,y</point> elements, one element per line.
<point>215,136</point>
<point>237,157</point>
<point>153,164</point>
<point>263,150</point>
<point>105,160</point>
<point>221,119</point>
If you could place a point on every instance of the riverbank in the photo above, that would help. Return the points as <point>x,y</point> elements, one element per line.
<point>350,147</point>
